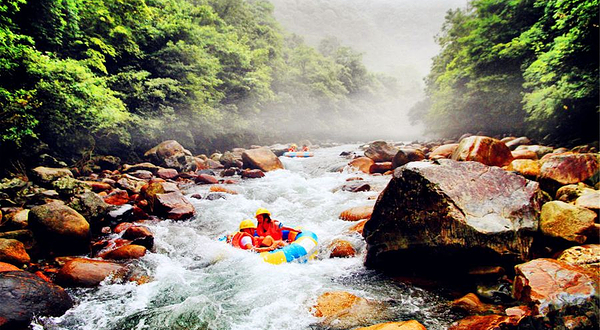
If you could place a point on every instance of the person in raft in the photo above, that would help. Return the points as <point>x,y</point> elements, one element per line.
<point>244,239</point>
<point>270,227</point>
<point>305,147</point>
<point>293,148</point>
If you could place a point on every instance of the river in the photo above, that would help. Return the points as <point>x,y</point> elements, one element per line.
<point>198,282</point>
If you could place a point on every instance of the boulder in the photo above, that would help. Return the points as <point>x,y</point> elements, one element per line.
<point>172,155</point>
<point>514,143</point>
<point>230,159</point>
<point>46,175</point>
<point>219,188</point>
<point>142,174</point>
<point>131,184</point>
<point>362,164</point>
<point>139,235</point>
<point>252,174</point>
<point>484,322</point>
<point>526,167</point>
<point>98,186</point>
<point>59,228</point>
<point>117,197</point>
<point>455,213</point>
<point>552,286</point>
<point>358,227</point>
<point>569,222</point>
<point>6,267</point>
<point>585,256</point>
<point>471,304</point>
<point>571,192</point>
<point>67,186</point>
<point>131,251</point>
<point>343,310</point>
<point>141,167</point>
<point>406,155</point>
<point>380,167</point>
<point>404,325</point>
<point>16,220</point>
<point>483,149</point>
<point>341,249</point>
<point>443,151</point>
<point>174,206</point>
<point>13,252</point>
<point>206,179</point>
<point>90,206</point>
<point>381,151</point>
<point>81,272</point>
<point>524,154</point>
<point>567,168</point>
<point>538,149</point>
<point>262,158</point>
<point>356,186</point>
<point>110,163</point>
<point>590,199</point>
<point>24,295</point>
<point>167,173</point>
<point>357,213</point>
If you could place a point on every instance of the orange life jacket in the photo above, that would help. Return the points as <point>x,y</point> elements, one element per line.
<point>271,230</point>
<point>237,239</point>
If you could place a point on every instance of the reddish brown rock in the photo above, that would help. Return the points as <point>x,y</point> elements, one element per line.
<point>174,206</point>
<point>98,186</point>
<point>123,226</point>
<point>6,267</point>
<point>59,228</point>
<point>406,155</point>
<point>206,179</point>
<point>483,149</point>
<point>380,167</point>
<point>341,249</point>
<point>117,197</point>
<point>356,186</point>
<point>362,164</point>
<point>359,227</point>
<point>566,168</point>
<point>550,285</point>
<point>262,158</point>
<point>483,322</point>
<point>471,304</point>
<point>585,256</point>
<point>524,154</point>
<point>252,174</point>
<point>131,251</point>
<point>13,251</point>
<point>566,221</point>
<point>516,142</point>
<point>140,235</point>
<point>404,325</point>
<point>86,272</point>
<point>443,151</point>
<point>526,167</point>
<point>357,213</point>
<point>167,173</point>
<point>222,189</point>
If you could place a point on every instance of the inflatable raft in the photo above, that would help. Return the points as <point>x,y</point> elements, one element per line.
<point>298,154</point>
<point>302,248</point>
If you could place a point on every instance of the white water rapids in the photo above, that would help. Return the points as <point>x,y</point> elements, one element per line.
<point>199,282</point>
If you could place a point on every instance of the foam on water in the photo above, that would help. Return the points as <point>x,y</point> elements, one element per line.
<point>199,282</point>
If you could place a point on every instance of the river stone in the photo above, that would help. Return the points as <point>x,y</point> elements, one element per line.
<point>567,168</point>
<point>551,285</point>
<point>524,154</point>
<point>404,325</point>
<point>131,251</point>
<point>207,179</point>
<point>380,167</point>
<point>526,167</point>
<point>167,173</point>
<point>514,143</point>
<point>117,197</point>
<point>90,206</point>
<point>81,272</point>
<point>538,149</point>
<point>406,155</point>
<point>172,155</point>
<point>584,256</point>
<point>571,192</point>
<point>341,249</point>
<point>357,213</point>
<point>60,228</point>
<point>141,166</point>
<point>443,151</point>
<point>569,222</point>
<point>344,310</point>
<point>589,199</point>
<point>252,174</point>
<point>230,159</point>
<point>174,206</point>
<point>484,322</point>
<point>47,174</point>
<point>13,252</point>
<point>24,295</point>
<point>483,149</point>
<point>454,213</point>
<point>381,151</point>
<point>362,164</point>
<point>262,158</point>
<point>6,267</point>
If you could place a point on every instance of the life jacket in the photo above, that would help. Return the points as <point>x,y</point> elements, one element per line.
<point>272,230</point>
<point>305,148</point>
<point>237,239</point>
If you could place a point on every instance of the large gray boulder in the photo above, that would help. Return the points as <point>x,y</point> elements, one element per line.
<point>456,214</point>
<point>171,154</point>
<point>24,295</point>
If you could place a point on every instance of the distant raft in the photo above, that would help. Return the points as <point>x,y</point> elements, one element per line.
<point>303,248</point>
<point>298,154</point>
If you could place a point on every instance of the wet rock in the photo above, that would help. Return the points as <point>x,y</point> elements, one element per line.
<point>407,155</point>
<point>68,186</point>
<point>252,174</point>
<point>6,267</point>
<point>117,197</point>
<point>172,155</point>
<point>131,251</point>
<point>131,184</point>
<point>585,256</point>
<point>167,173</point>
<point>471,304</point>
<point>60,228</point>
<point>81,272</point>
<point>362,164</point>
<point>222,189</point>
<point>526,167</point>
<point>443,151</point>
<point>213,164</point>
<point>524,154</point>
<point>206,179</point>
<point>381,151</point>
<point>341,249</point>
<point>263,159</point>
<point>538,149</point>
<point>359,227</point>
<point>343,310</point>
<point>196,196</point>
<point>231,171</point>
<point>483,149</point>
<point>380,167</point>
<point>140,235</point>
<point>142,174</point>
<point>24,236</point>
<point>571,192</point>
<point>141,167</point>
<point>567,168</point>
<point>215,196</point>
<point>590,199</point>
<point>46,175</point>
<point>454,213</point>
<point>554,286</point>
<point>514,143</point>
<point>484,322</point>
<point>357,213</point>
<point>569,222</point>
<point>230,159</point>
<point>121,213</point>
<point>98,186</point>
<point>356,186</point>
<point>174,206</point>
<point>91,206</point>
<point>13,252</point>
<point>24,295</point>
<point>16,220</point>
<point>404,325</point>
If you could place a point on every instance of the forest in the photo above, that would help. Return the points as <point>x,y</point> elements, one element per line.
<point>521,67</point>
<point>116,77</point>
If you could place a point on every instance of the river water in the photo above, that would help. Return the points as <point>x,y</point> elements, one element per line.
<point>198,282</point>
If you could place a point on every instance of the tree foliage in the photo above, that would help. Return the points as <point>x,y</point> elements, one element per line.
<point>518,66</point>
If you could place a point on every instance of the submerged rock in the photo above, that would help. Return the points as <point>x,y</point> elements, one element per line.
<point>454,213</point>
<point>86,272</point>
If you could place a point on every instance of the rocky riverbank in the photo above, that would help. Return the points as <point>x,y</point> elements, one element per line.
<point>508,215</point>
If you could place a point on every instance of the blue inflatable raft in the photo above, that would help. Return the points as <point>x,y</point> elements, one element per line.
<point>298,154</point>
<point>303,248</point>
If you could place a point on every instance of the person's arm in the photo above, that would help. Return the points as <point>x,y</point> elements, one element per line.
<point>246,243</point>
<point>290,229</point>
